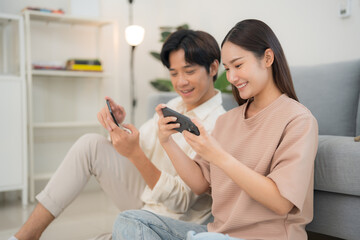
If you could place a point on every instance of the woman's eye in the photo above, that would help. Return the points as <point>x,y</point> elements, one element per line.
<point>238,66</point>
<point>226,69</point>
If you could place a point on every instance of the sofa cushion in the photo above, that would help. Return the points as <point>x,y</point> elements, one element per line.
<point>331,92</point>
<point>337,165</point>
<point>358,119</point>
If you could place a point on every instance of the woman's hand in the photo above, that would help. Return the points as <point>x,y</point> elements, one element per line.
<point>204,144</point>
<point>125,143</point>
<point>165,129</point>
<point>104,113</point>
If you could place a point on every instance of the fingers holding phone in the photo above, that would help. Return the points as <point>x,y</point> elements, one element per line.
<point>114,119</point>
<point>117,110</point>
<point>166,124</point>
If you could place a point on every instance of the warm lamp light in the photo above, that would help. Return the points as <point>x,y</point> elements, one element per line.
<point>134,35</point>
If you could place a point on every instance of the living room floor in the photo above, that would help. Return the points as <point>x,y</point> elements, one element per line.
<point>91,214</point>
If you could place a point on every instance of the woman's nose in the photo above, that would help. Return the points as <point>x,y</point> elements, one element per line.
<point>231,76</point>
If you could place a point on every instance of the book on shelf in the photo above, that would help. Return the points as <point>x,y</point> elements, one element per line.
<point>84,65</point>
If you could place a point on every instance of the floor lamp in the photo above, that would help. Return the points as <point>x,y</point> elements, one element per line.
<point>134,35</point>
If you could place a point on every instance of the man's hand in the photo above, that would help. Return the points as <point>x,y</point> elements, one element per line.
<point>104,114</point>
<point>165,129</point>
<point>125,143</point>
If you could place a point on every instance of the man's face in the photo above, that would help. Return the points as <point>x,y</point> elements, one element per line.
<point>191,81</point>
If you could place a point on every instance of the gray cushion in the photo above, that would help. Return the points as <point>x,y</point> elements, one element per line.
<point>336,215</point>
<point>337,165</point>
<point>331,92</point>
<point>358,119</point>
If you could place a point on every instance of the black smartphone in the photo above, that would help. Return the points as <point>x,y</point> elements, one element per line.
<point>185,122</point>
<point>113,117</point>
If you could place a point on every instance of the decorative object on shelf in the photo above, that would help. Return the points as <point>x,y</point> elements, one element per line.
<point>165,85</point>
<point>134,35</point>
<point>48,65</point>
<point>45,10</point>
<point>84,65</point>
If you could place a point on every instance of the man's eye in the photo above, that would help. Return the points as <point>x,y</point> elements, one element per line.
<point>190,72</point>
<point>173,74</point>
<point>226,69</point>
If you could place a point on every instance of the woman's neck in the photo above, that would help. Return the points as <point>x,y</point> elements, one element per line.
<point>260,102</point>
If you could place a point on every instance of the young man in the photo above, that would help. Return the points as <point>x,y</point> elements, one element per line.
<point>133,169</point>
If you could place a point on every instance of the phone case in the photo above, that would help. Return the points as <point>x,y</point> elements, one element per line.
<point>185,122</point>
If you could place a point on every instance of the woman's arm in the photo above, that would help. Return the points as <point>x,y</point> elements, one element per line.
<point>187,169</point>
<point>261,188</point>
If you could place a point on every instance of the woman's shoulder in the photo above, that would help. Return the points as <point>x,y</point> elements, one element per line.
<point>295,109</point>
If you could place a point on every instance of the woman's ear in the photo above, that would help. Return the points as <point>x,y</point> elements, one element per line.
<point>269,57</point>
<point>214,67</point>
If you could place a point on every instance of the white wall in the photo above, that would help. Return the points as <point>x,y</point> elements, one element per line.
<point>311,32</point>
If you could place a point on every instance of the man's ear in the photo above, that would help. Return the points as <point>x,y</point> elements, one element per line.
<point>269,57</point>
<point>214,67</point>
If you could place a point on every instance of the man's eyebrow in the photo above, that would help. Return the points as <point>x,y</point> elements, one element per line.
<point>186,66</point>
<point>189,65</point>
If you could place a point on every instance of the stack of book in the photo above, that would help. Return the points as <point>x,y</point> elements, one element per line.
<point>84,65</point>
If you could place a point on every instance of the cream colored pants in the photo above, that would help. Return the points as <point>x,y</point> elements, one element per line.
<point>93,155</point>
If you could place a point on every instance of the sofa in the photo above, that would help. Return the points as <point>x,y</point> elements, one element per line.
<point>332,93</point>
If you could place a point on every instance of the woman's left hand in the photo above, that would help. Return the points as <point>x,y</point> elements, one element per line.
<point>204,144</point>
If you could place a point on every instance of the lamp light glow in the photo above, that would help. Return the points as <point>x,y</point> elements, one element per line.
<point>134,35</point>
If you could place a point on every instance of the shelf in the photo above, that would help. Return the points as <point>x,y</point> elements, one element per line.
<point>43,176</point>
<point>64,73</point>
<point>40,125</point>
<point>63,18</point>
<point>10,77</point>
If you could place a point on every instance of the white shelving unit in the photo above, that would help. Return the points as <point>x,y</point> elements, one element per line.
<point>62,105</point>
<point>13,150</point>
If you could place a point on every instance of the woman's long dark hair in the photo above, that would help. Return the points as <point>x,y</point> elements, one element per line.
<point>255,36</point>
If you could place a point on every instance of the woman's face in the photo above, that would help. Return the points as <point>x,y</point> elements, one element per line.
<point>191,81</point>
<point>250,75</point>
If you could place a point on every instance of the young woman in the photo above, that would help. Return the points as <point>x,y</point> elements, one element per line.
<point>258,163</point>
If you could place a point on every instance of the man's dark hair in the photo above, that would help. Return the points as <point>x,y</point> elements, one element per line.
<point>200,48</point>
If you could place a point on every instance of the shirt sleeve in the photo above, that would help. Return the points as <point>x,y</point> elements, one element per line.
<point>148,136</point>
<point>173,192</point>
<point>293,162</point>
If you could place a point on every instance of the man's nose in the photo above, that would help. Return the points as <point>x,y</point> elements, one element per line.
<point>182,80</point>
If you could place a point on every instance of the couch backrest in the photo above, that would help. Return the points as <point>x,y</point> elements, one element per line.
<point>331,92</point>
<point>358,119</point>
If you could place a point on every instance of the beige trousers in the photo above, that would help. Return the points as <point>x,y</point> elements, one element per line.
<point>93,155</point>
